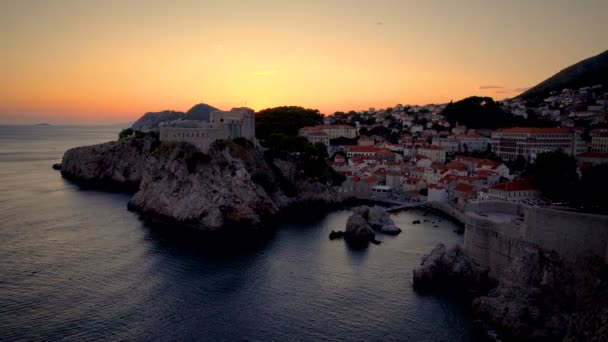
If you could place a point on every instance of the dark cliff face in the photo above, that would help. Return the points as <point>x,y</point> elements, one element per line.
<point>119,163</point>
<point>588,72</point>
<point>540,295</point>
<point>233,185</point>
<point>590,321</point>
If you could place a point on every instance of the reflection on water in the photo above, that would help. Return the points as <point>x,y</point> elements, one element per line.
<point>75,264</point>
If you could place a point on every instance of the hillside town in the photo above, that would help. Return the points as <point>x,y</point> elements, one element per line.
<point>413,153</point>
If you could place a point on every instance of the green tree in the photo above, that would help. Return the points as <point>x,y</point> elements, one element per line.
<point>320,150</point>
<point>285,120</point>
<point>477,112</point>
<point>555,175</point>
<point>594,188</point>
<point>343,141</point>
<point>125,133</point>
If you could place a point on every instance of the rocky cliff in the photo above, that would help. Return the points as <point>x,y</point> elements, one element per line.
<point>450,268</point>
<point>119,163</point>
<point>234,184</point>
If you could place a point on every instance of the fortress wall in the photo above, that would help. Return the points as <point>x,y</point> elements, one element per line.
<point>571,234</point>
<point>495,244</point>
<point>447,209</point>
<point>496,207</point>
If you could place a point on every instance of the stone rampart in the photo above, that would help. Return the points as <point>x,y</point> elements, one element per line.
<point>498,232</point>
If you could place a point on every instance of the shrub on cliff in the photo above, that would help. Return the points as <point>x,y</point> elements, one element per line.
<point>264,180</point>
<point>125,133</point>
<point>243,142</point>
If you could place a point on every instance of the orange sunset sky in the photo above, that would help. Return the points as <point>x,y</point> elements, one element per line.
<point>93,61</point>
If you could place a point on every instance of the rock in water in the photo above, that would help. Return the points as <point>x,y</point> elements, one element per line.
<point>377,218</point>
<point>336,235</point>
<point>358,232</point>
<point>390,229</point>
<point>449,268</point>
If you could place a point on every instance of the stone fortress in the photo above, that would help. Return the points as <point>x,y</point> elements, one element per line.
<point>236,123</point>
<point>499,232</point>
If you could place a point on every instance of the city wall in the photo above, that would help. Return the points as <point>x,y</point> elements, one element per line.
<point>498,232</point>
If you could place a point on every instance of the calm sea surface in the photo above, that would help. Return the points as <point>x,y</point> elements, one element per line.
<point>76,265</point>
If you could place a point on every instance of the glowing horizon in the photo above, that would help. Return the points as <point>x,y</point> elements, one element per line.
<point>112,61</point>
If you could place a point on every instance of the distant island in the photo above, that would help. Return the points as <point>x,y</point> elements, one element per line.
<point>42,124</point>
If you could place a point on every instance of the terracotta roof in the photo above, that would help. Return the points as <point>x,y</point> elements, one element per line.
<point>514,186</point>
<point>362,148</point>
<point>457,165</point>
<point>435,186</point>
<point>448,179</point>
<point>463,187</point>
<point>370,180</point>
<point>321,127</point>
<point>432,147</point>
<point>380,172</point>
<point>385,152</point>
<point>598,155</point>
<point>534,130</point>
<point>469,136</point>
<point>486,173</point>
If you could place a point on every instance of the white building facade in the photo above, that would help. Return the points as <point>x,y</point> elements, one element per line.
<point>236,123</point>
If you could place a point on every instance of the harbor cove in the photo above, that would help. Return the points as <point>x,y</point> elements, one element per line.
<point>77,265</point>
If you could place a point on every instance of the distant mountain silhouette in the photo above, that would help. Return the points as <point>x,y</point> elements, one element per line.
<point>150,120</point>
<point>588,72</point>
<point>200,111</point>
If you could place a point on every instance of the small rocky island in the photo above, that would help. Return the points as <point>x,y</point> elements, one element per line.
<point>362,225</point>
<point>234,184</point>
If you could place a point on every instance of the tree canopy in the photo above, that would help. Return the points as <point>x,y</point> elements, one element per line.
<point>555,175</point>
<point>594,187</point>
<point>285,120</point>
<point>477,112</point>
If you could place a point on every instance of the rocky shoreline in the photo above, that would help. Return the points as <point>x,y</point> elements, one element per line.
<point>235,185</point>
<point>540,298</point>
